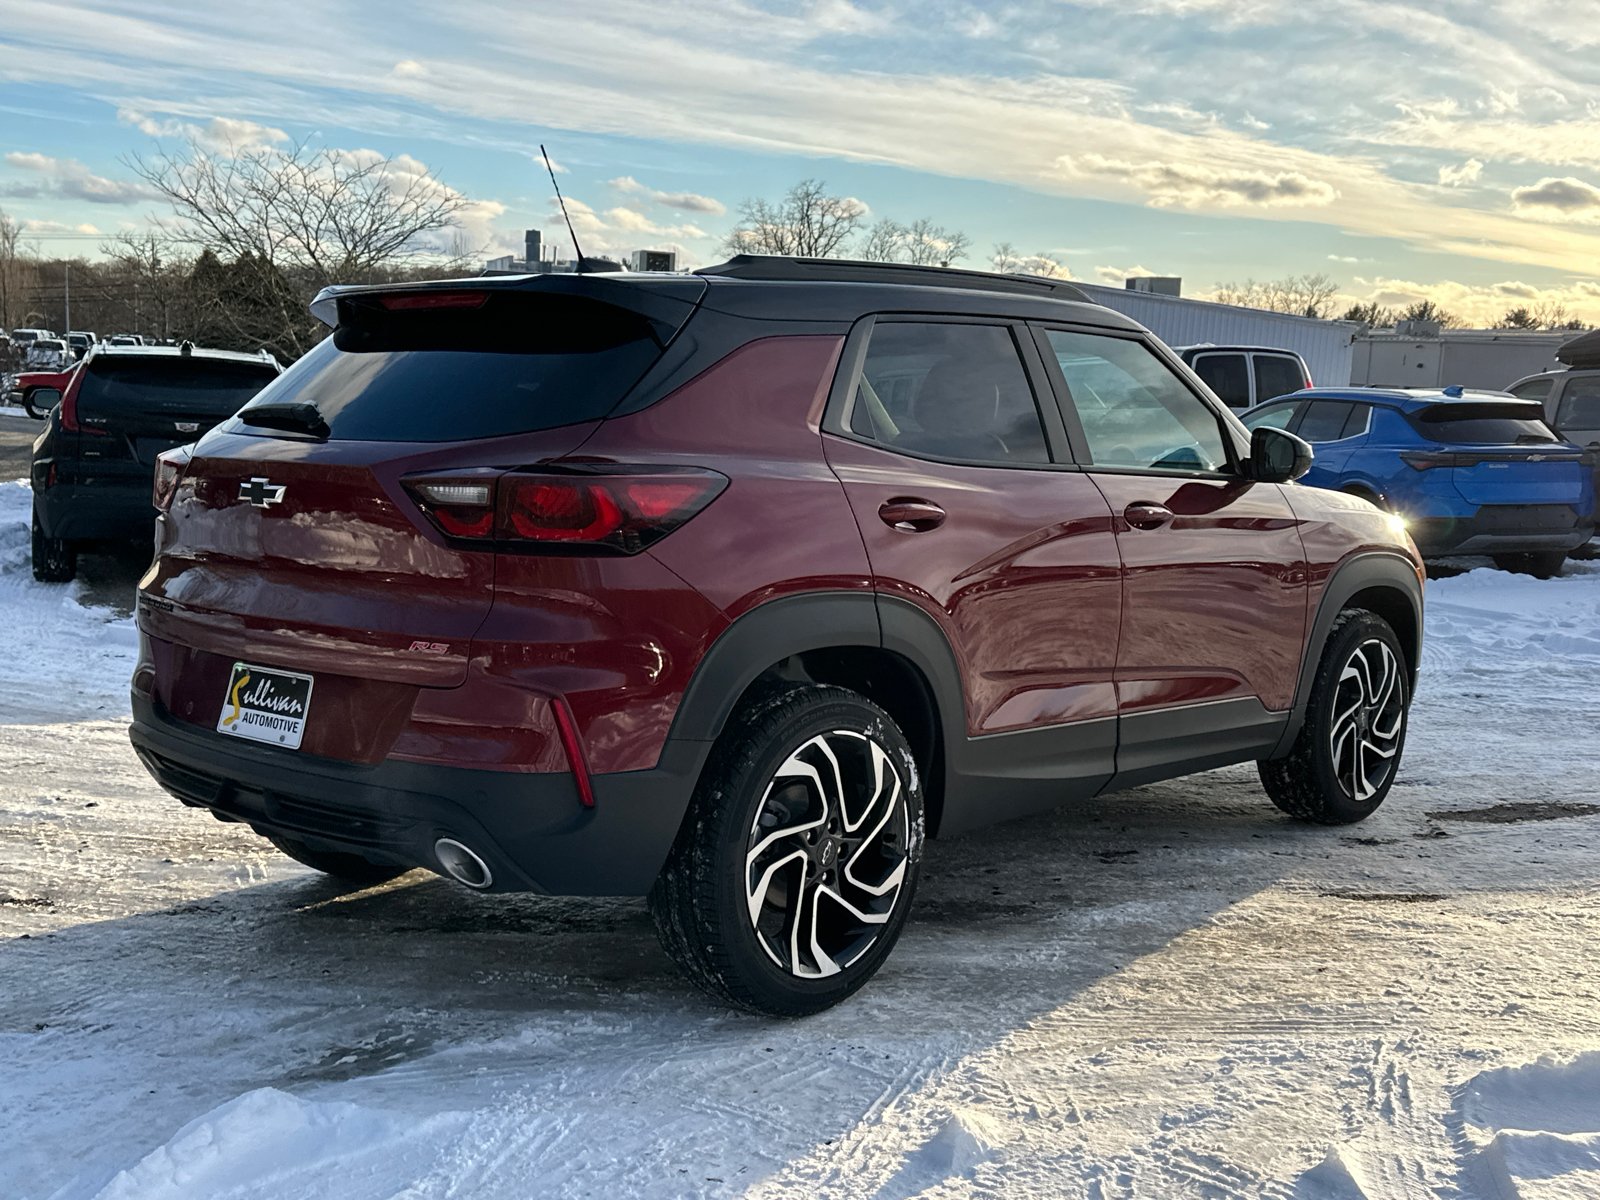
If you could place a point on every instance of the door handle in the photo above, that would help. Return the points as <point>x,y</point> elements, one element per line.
<point>1146,514</point>
<point>910,515</point>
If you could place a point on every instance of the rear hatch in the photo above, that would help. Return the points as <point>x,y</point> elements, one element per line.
<point>134,406</point>
<point>291,540</point>
<point>1503,452</point>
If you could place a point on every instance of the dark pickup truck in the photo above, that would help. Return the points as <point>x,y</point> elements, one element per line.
<point>106,421</point>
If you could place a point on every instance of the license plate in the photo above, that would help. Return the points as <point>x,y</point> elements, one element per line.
<point>265,704</point>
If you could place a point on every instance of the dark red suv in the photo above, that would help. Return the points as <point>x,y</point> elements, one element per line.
<point>729,588</point>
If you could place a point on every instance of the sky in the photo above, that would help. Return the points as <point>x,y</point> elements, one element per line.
<point>1448,150</point>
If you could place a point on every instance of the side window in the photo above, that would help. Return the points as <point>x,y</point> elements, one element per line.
<point>1277,375</point>
<point>1534,389</point>
<point>1135,411</point>
<point>949,391</point>
<point>1356,423</point>
<point>1580,405</point>
<point>1277,416</point>
<point>1225,375</point>
<point>1324,420</point>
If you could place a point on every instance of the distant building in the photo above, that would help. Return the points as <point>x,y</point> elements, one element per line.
<point>533,261</point>
<point>654,260</point>
<point>1420,354</point>
<point>1159,285</point>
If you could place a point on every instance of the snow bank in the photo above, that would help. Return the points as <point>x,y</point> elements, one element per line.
<point>59,661</point>
<point>268,1143</point>
<point>1538,1127</point>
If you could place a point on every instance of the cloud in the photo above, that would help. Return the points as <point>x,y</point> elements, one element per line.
<point>1467,172</point>
<point>69,179</point>
<point>46,227</point>
<point>1116,275</point>
<point>1344,258</point>
<point>409,66</point>
<point>687,201</point>
<point>219,135</point>
<point>1195,185</point>
<point>1550,199</point>
<point>619,231</point>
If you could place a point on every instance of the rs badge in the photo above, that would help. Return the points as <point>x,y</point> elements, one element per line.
<point>259,492</point>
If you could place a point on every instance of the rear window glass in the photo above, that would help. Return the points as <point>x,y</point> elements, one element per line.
<point>1277,375</point>
<point>1225,375</point>
<point>1324,420</point>
<point>512,363</point>
<point>203,387</point>
<point>1483,423</point>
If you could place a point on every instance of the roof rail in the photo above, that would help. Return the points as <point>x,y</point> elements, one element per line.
<point>846,270</point>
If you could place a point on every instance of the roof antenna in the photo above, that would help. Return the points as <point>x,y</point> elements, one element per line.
<point>577,248</point>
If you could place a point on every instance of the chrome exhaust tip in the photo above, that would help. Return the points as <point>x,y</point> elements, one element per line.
<point>462,865</point>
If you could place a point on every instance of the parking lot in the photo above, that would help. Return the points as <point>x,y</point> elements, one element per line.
<point>1171,991</point>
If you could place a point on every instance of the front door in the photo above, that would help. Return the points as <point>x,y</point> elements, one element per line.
<point>1214,581</point>
<point>969,514</point>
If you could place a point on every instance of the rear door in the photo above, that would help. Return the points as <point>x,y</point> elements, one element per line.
<point>968,512</point>
<point>1335,429</point>
<point>1213,612</point>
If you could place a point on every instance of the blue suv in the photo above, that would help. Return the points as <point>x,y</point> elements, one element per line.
<point>1472,472</point>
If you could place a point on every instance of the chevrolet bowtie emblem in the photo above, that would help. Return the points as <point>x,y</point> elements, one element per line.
<point>261,493</point>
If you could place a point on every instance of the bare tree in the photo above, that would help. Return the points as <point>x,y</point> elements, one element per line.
<point>150,275</point>
<point>329,216</point>
<point>921,243</point>
<point>1370,313</point>
<point>1008,260</point>
<point>806,223</point>
<point>1301,295</point>
<point>1429,310</point>
<point>18,274</point>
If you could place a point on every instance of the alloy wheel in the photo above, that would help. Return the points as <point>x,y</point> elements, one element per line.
<point>1368,714</point>
<point>827,854</point>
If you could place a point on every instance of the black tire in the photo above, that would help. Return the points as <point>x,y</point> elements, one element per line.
<point>733,854</point>
<point>1543,564</point>
<point>1344,762</point>
<point>55,560</point>
<point>352,868</point>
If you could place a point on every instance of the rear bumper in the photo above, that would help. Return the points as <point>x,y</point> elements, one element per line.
<point>1503,529</point>
<point>531,829</point>
<point>112,513</point>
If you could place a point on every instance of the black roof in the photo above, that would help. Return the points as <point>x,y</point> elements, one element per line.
<point>1582,351</point>
<point>847,270</point>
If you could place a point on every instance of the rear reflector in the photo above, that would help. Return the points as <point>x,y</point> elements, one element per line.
<point>575,508</point>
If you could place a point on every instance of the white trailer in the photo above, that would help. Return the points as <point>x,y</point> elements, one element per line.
<point>1325,345</point>
<point>1475,358</point>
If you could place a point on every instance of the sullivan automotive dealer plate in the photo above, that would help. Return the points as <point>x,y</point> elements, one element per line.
<point>266,705</point>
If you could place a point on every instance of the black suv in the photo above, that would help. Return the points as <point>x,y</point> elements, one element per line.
<point>94,465</point>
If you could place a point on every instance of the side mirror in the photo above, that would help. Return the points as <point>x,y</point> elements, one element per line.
<point>1276,456</point>
<point>38,402</point>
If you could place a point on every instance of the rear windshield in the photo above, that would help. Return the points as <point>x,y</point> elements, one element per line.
<point>1483,423</point>
<point>499,363</point>
<point>203,387</point>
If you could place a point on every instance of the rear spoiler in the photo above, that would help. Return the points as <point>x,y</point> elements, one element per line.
<point>666,302</point>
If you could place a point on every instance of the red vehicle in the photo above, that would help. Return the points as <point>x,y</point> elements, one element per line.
<point>730,588</point>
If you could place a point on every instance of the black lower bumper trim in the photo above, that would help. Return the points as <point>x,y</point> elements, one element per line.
<point>1503,529</point>
<point>530,828</point>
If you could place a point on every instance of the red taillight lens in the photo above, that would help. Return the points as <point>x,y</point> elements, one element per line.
<point>618,509</point>
<point>69,406</point>
<point>1423,460</point>
<point>596,508</point>
<point>422,300</point>
<point>170,465</point>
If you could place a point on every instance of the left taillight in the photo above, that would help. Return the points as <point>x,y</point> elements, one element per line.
<point>170,465</point>
<point>571,508</point>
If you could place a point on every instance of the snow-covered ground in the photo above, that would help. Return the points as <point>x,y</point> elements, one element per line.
<point>1171,992</point>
